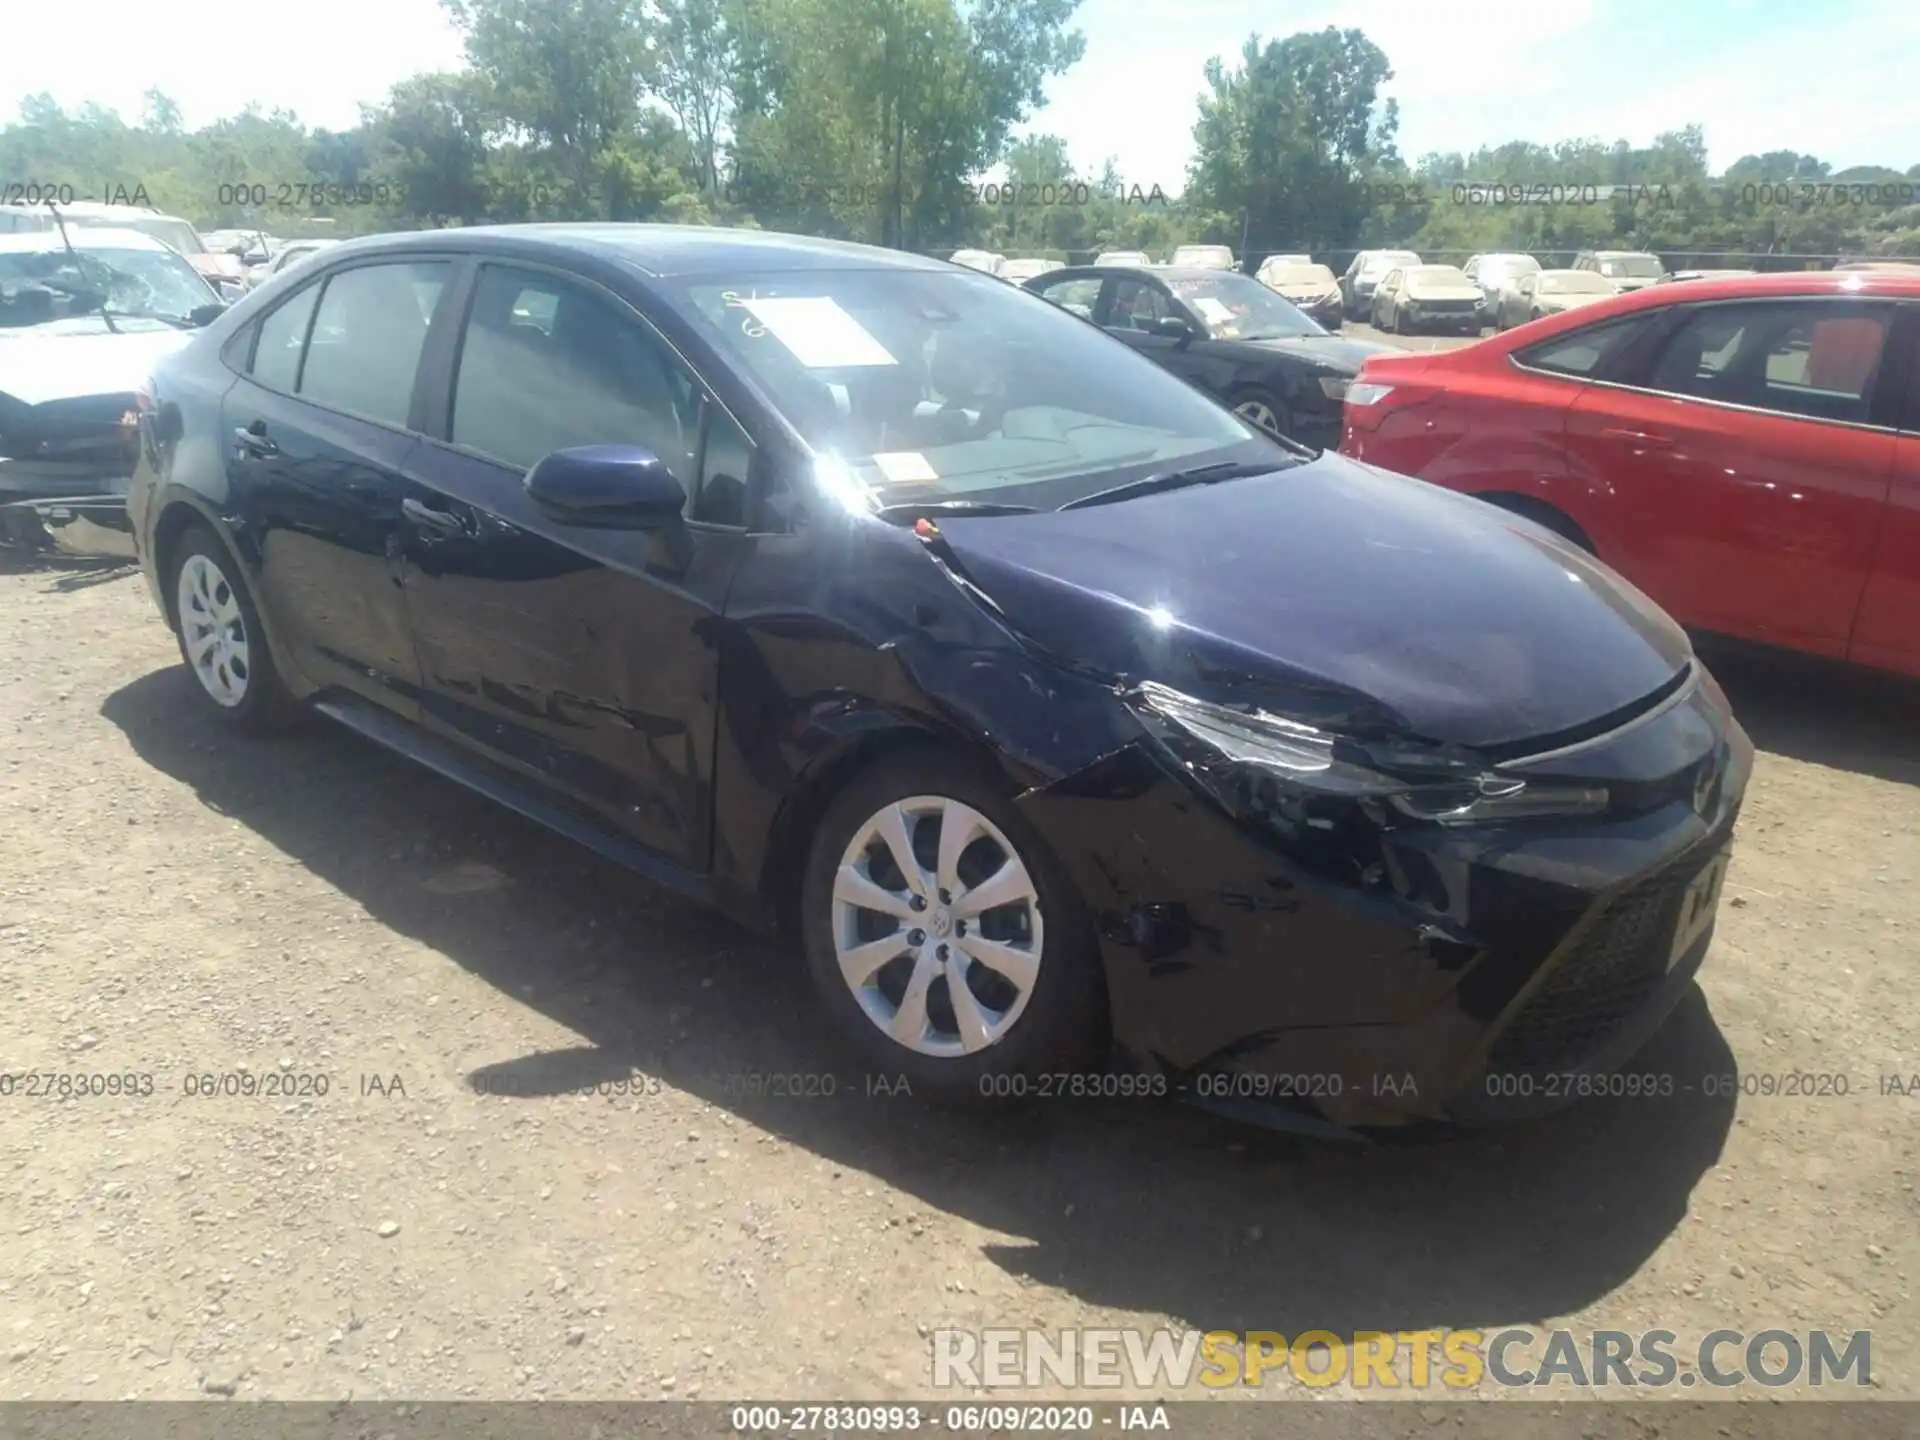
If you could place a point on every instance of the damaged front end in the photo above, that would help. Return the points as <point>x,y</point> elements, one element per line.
<point>64,471</point>
<point>1327,928</point>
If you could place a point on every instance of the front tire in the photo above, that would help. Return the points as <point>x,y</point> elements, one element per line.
<point>222,640</point>
<point>944,937</point>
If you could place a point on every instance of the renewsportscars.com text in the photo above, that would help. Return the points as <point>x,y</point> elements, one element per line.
<point>1163,1360</point>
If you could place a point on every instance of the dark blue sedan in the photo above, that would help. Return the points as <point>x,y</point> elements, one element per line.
<point>1091,740</point>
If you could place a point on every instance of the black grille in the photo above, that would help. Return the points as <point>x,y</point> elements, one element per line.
<point>1604,976</point>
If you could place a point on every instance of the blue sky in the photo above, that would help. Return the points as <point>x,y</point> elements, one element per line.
<point>1834,77</point>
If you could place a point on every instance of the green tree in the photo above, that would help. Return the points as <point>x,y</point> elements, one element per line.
<point>696,61</point>
<point>1286,140</point>
<point>565,75</point>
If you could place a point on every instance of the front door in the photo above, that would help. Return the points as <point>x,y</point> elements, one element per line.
<point>1134,309</point>
<point>580,657</point>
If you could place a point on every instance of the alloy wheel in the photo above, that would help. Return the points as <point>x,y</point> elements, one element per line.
<point>1260,413</point>
<point>936,926</point>
<point>213,630</point>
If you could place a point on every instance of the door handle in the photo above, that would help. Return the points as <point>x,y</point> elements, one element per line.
<point>441,522</point>
<point>1638,437</point>
<point>253,439</point>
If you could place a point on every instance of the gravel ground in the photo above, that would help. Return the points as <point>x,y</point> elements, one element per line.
<point>447,1220</point>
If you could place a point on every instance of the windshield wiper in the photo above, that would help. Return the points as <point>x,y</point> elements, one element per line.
<point>914,509</point>
<point>1176,480</point>
<point>178,322</point>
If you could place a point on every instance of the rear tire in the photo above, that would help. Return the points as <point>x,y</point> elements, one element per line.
<point>222,640</point>
<point>1258,407</point>
<point>969,1003</point>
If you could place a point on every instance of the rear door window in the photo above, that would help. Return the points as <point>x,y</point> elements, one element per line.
<point>1079,296</point>
<point>367,337</point>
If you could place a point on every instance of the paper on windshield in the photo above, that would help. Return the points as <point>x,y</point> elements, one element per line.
<point>1212,309</point>
<point>906,467</point>
<point>820,334</point>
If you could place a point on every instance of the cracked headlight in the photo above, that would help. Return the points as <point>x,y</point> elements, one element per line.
<point>1285,769</point>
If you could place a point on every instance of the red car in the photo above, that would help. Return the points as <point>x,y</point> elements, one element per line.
<point>1745,450</point>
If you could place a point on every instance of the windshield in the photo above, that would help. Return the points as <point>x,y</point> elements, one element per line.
<point>1633,267</point>
<point>1303,277</point>
<point>1121,257</point>
<point>931,386</point>
<point>148,283</point>
<point>1575,282</point>
<point>1437,275</point>
<point>1236,307</point>
<point>1203,255</point>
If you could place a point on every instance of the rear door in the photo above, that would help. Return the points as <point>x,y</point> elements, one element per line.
<point>317,434</point>
<point>583,658</point>
<point>1887,633</point>
<point>1747,465</point>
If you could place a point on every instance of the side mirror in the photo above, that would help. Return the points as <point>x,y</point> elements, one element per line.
<point>206,314</point>
<point>607,487</point>
<point>1173,327</point>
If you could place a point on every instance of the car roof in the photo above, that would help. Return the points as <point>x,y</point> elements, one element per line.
<point>1878,283</point>
<point>85,237</point>
<point>1621,254</point>
<point>657,250</point>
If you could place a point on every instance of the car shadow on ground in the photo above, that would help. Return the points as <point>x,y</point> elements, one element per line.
<point>65,573</point>
<point>1820,711</point>
<point>1140,1205</point>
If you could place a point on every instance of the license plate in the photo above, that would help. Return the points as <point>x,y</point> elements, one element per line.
<point>1697,907</point>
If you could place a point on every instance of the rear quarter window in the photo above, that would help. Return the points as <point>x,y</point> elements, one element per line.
<point>1586,351</point>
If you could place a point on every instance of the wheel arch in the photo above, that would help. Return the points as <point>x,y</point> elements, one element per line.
<point>874,734</point>
<point>1542,512</point>
<point>177,517</point>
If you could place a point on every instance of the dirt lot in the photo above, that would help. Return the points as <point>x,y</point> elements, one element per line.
<point>178,904</point>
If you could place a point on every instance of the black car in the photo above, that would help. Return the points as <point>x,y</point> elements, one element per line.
<point>1226,333</point>
<point>1076,726</point>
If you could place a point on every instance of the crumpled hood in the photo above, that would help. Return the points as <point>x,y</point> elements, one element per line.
<point>40,364</point>
<point>1337,593</point>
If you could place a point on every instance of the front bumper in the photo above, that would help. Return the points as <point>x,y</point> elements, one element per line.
<point>1329,312</point>
<point>1465,319</point>
<point>1467,977</point>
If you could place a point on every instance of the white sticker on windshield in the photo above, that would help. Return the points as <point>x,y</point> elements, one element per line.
<point>906,467</point>
<point>820,334</point>
<point>1212,309</point>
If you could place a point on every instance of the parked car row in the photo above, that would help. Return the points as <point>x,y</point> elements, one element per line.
<point>1069,719</point>
<point>1019,271</point>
